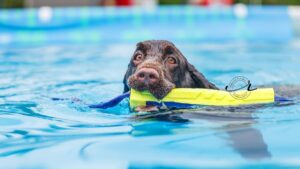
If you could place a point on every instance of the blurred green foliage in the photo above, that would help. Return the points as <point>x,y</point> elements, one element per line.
<point>269,2</point>
<point>12,3</point>
<point>172,2</point>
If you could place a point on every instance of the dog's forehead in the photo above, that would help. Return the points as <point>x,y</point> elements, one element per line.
<point>155,49</point>
<point>162,45</point>
<point>155,45</point>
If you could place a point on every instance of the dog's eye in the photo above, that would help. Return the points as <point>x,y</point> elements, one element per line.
<point>171,60</point>
<point>138,57</point>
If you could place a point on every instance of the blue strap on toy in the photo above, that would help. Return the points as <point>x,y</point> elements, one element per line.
<point>279,99</point>
<point>111,103</point>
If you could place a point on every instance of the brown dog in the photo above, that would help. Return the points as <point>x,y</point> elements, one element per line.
<point>158,66</point>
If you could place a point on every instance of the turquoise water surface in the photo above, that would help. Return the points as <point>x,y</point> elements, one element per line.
<point>37,132</point>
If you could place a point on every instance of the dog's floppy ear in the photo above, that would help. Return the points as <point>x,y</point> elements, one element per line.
<point>129,72</point>
<point>199,78</point>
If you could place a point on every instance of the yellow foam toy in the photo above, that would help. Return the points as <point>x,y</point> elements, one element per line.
<point>204,97</point>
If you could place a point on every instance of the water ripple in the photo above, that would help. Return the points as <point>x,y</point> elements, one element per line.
<point>37,131</point>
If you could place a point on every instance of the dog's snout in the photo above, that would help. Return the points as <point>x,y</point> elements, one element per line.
<point>147,76</point>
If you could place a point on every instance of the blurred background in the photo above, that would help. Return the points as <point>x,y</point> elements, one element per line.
<point>37,3</point>
<point>81,49</point>
<point>33,22</point>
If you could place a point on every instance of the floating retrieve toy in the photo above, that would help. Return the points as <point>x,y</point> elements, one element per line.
<point>192,97</point>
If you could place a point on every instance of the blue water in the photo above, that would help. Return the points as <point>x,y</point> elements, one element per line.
<point>37,132</point>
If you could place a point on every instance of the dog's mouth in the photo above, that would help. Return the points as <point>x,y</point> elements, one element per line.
<point>152,79</point>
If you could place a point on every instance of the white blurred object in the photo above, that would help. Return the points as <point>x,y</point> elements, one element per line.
<point>45,14</point>
<point>240,10</point>
<point>147,3</point>
<point>5,38</point>
<point>294,13</point>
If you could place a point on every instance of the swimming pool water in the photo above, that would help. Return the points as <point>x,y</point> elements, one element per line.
<point>37,132</point>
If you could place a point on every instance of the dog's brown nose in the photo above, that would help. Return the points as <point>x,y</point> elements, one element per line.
<point>147,76</point>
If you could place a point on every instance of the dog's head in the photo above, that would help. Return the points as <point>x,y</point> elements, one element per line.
<point>158,66</point>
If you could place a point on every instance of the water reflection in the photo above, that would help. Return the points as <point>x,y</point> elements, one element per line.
<point>238,126</point>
